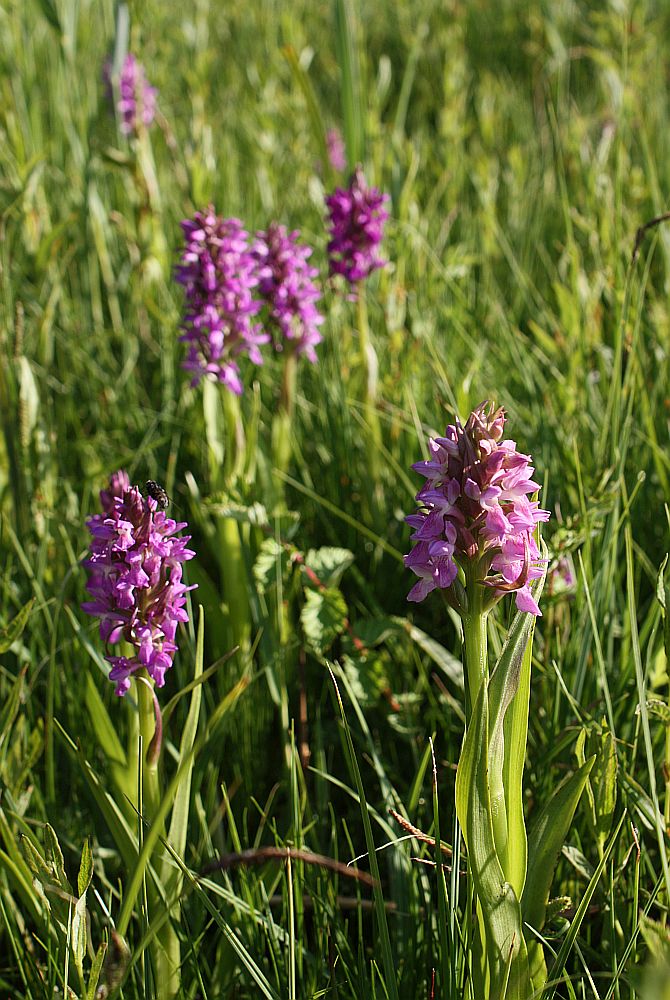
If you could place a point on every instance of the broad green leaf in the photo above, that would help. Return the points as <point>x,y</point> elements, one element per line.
<point>105,731</point>
<point>85,868</point>
<point>180,808</point>
<point>510,694</point>
<point>327,564</point>
<point>323,618</point>
<point>11,632</point>
<point>500,909</point>
<point>547,834</point>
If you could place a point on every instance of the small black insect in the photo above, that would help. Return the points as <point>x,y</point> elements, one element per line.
<point>157,493</point>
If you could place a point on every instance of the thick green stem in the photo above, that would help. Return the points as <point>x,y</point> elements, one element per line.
<point>166,948</point>
<point>476,647</point>
<point>281,426</point>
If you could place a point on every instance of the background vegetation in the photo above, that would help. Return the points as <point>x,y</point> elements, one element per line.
<point>522,146</point>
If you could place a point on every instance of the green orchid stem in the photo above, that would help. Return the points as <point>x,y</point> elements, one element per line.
<point>165,948</point>
<point>281,426</point>
<point>475,635</point>
<point>234,437</point>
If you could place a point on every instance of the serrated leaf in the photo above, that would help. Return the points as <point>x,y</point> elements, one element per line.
<point>11,632</point>
<point>79,933</point>
<point>271,563</point>
<point>255,514</point>
<point>328,564</point>
<point>367,679</point>
<point>323,618</point>
<point>656,937</point>
<point>657,709</point>
<point>85,868</point>
<point>372,632</point>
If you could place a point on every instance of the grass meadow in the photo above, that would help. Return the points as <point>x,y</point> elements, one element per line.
<point>522,145</point>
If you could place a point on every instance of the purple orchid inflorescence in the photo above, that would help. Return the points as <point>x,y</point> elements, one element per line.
<point>219,275</point>
<point>356,220</point>
<point>137,100</point>
<point>288,289</point>
<point>135,580</point>
<point>476,511</point>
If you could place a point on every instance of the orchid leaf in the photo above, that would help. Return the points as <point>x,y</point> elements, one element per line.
<point>547,833</point>
<point>501,913</point>
<point>180,807</point>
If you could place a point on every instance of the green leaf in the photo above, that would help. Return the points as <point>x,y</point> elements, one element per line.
<point>500,909</point>
<point>94,976</point>
<point>547,834</point>
<point>372,632</point>
<point>271,563</point>
<point>11,632</point>
<point>105,731</point>
<point>79,933</point>
<point>367,679</point>
<point>447,662</point>
<point>328,564</point>
<point>85,868</point>
<point>50,12</point>
<point>180,807</point>
<point>323,618</point>
<point>55,861</point>
<point>657,709</point>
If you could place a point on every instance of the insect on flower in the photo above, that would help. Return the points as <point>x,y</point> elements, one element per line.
<point>157,493</point>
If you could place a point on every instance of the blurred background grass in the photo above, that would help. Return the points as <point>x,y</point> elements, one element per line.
<point>522,146</point>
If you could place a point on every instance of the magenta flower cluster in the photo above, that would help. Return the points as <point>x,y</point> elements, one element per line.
<point>356,222</point>
<point>476,512</point>
<point>220,279</point>
<point>286,283</point>
<point>135,580</point>
<point>137,100</point>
